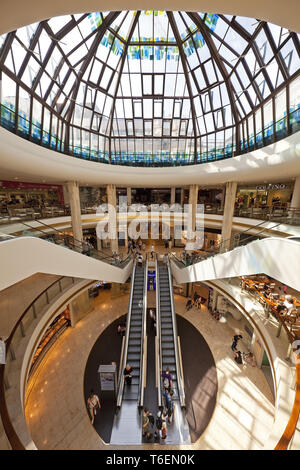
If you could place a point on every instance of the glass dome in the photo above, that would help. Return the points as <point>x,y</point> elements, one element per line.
<point>150,88</point>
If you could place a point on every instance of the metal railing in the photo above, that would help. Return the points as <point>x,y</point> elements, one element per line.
<point>175,336</point>
<point>25,321</point>
<point>61,238</point>
<point>287,215</point>
<point>158,333</point>
<point>125,351</point>
<point>224,246</point>
<point>143,367</point>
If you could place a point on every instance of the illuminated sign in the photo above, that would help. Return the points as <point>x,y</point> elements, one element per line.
<point>264,187</point>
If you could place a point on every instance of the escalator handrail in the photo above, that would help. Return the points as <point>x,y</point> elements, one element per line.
<point>143,357</point>
<point>76,244</point>
<point>158,333</point>
<point>215,253</point>
<point>175,336</point>
<point>125,352</point>
<point>79,242</point>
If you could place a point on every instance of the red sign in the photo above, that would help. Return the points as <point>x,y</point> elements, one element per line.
<point>22,185</point>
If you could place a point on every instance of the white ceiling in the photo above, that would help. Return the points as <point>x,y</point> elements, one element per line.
<point>16,13</point>
<point>26,161</point>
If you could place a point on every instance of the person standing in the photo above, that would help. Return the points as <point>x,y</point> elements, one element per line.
<point>238,357</point>
<point>146,424</point>
<point>152,252</point>
<point>167,380</point>
<point>93,403</point>
<point>171,407</point>
<point>236,338</point>
<point>164,429</point>
<point>128,374</point>
<point>158,423</point>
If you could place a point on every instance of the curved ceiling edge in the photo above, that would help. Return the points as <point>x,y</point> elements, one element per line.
<point>17,13</point>
<point>26,161</point>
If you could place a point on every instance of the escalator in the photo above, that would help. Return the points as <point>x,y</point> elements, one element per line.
<point>167,334</point>
<point>168,356</point>
<point>130,397</point>
<point>44,249</point>
<point>136,337</point>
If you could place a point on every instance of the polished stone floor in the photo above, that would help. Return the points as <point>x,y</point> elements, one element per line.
<point>56,412</point>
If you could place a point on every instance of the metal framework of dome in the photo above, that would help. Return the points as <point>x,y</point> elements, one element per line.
<point>151,88</point>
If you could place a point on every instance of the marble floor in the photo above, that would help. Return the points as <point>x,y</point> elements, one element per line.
<point>56,412</point>
<point>15,299</point>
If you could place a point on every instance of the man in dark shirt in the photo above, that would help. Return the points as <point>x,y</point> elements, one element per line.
<point>236,338</point>
<point>128,374</point>
<point>238,357</point>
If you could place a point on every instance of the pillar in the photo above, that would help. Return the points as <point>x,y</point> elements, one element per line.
<point>129,196</point>
<point>112,200</point>
<point>181,196</point>
<point>66,195</point>
<point>214,302</point>
<point>223,198</point>
<point>172,200</point>
<point>228,214</point>
<point>295,202</point>
<point>74,200</point>
<point>193,199</point>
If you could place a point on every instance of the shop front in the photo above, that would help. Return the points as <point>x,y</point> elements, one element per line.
<point>264,195</point>
<point>17,194</point>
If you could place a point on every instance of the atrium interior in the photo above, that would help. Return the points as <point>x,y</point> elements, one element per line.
<point>149,228</point>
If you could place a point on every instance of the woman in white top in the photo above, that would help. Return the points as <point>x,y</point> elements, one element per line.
<point>93,403</point>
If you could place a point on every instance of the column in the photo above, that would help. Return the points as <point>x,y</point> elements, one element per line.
<point>172,199</point>
<point>223,198</point>
<point>295,202</point>
<point>66,195</point>
<point>228,214</point>
<point>112,200</point>
<point>193,199</point>
<point>214,302</point>
<point>74,200</point>
<point>129,196</point>
<point>99,244</point>
<point>181,197</point>
<point>172,202</point>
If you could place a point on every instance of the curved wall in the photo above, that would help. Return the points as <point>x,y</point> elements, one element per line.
<point>26,161</point>
<point>25,256</point>
<point>17,13</point>
<point>275,257</point>
<point>280,367</point>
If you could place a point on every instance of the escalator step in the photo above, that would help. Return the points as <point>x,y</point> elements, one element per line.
<point>134,342</point>
<point>168,352</point>
<point>135,364</point>
<point>166,338</point>
<point>134,349</point>
<point>167,345</point>
<point>166,331</point>
<point>168,361</point>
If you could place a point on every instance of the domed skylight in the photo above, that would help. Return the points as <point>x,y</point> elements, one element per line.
<point>150,87</point>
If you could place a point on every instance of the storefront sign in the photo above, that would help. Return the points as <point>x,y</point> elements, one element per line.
<point>265,187</point>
